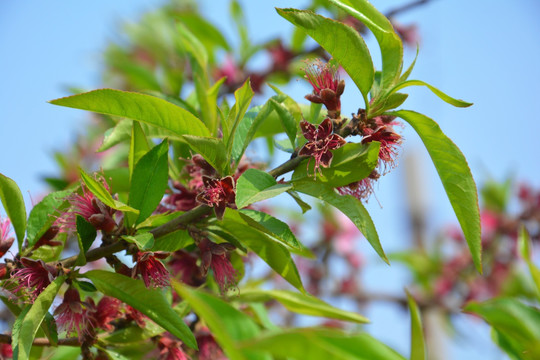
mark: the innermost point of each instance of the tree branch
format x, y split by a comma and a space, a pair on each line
6, 339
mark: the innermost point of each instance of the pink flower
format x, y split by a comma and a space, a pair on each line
390, 142
74, 315
281, 57
33, 277
170, 349
91, 209
5, 240
208, 347
214, 256
151, 269
408, 33
217, 193
135, 315
6, 352
320, 141
327, 87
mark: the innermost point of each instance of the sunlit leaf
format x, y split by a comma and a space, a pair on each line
256, 185
455, 176
13, 203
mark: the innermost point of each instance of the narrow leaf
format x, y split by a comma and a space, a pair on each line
139, 145
525, 245
145, 108
287, 120
439, 93
228, 325
321, 344
13, 202
348, 205
150, 302
34, 318
149, 180
243, 98
455, 176
300, 303
343, 42
86, 234
256, 185
103, 194
418, 346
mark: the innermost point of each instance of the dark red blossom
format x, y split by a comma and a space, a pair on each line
6, 352
91, 209
408, 33
48, 238
75, 315
208, 347
281, 57
108, 310
5, 240
320, 140
151, 269
218, 193
214, 256
33, 277
170, 348
327, 87
184, 267
390, 142
135, 315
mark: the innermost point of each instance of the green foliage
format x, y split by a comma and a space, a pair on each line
301, 304
455, 176
42, 215
152, 303
144, 108
86, 234
13, 202
256, 185
149, 181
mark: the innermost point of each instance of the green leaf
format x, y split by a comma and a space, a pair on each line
321, 344
517, 322
86, 234
149, 180
439, 93
22, 343
13, 202
303, 205
300, 303
525, 245
139, 145
277, 229
256, 185
209, 35
287, 120
117, 134
243, 98
349, 206
212, 150
227, 324
145, 108
150, 302
103, 194
342, 42
418, 346
389, 42
248, 127
455, 176
273, 253
144, 241
350, 163
41, 217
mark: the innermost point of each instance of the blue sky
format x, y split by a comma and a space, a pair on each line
481, 51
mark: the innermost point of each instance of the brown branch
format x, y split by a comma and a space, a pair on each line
406, 7
6, 339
